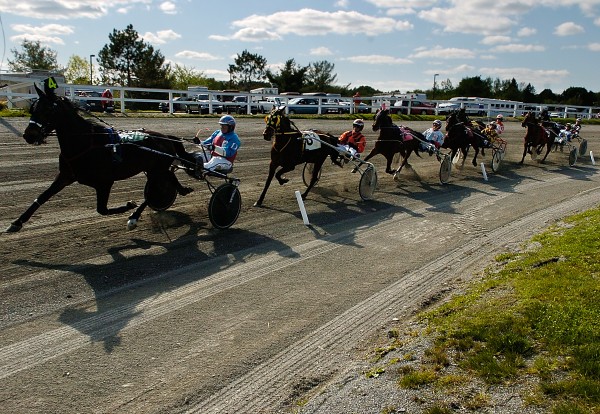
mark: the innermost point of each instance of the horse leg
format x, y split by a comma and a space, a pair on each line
272, 168
135, 216
102, 194
475, 157
313, 178
548, 148
525, 147
57, 185
181, 190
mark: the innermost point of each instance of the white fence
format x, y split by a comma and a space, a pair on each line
20, 92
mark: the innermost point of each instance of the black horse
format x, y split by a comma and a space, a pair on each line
536, 137
92, 154
459, 136
393, 139
292, 147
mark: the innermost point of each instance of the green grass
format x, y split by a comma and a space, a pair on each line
538, 315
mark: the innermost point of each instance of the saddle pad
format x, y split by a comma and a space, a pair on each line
132, 136
311, 140
406, 134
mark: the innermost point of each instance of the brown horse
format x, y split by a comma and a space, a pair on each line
536, 137
92, 154
393, 139
292, 147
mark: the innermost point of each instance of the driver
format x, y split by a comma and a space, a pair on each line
434, 136
353, 141
222, 146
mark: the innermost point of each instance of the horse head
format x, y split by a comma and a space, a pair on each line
382, 119
276, 123
529, 119
43, 115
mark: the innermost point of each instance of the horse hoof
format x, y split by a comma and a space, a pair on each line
283, 181
131, 204
185, 191
131, 224
14, 227
257, 204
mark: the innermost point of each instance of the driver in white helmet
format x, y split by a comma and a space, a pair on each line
353, 142
220, 149
499, 124
434, 137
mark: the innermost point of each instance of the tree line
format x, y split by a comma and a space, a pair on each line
126, 60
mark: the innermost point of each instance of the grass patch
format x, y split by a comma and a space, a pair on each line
538, 315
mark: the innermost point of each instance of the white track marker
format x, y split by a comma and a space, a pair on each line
483, 171
302, 209
592, 158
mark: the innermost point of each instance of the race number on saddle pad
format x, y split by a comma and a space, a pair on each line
311, 140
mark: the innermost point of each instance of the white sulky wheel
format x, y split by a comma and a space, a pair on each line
496, 159
445, 169
307, 173
368, 183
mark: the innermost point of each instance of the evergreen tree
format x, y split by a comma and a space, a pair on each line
248, 70
291, 77
129, 61
320, 75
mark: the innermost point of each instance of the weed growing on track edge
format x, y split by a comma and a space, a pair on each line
534, 319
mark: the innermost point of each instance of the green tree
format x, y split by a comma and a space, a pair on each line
291, 77
547, 97
127, 60
182, 77
78, 70
474, 86
33, 56
577, 96
248, 70
320, 75
510, 90
528, 93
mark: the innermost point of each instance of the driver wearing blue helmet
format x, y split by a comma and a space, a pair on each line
221, 147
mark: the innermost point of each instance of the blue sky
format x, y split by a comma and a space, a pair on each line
388, 44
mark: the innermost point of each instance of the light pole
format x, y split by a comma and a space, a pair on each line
434, 76
92, 70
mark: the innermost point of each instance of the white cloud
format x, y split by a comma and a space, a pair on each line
64, 10
49, 33
190, 54
161, 37
310, 22
519, 48
250, 34
494, 40
594, 47
168, 7
568, 29
378, 59
526, 31
526, 75
321, 51
440, 52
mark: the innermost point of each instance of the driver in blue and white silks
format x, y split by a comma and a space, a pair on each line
433, 136
222, 146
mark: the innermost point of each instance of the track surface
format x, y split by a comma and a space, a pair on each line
178, 317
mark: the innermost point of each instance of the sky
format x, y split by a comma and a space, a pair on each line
390, 45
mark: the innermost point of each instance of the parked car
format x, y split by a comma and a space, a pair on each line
201, 104
164, 106
239, 105
88, 104
416, 107
303, 106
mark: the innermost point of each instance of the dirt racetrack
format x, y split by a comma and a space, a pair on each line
176, 316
